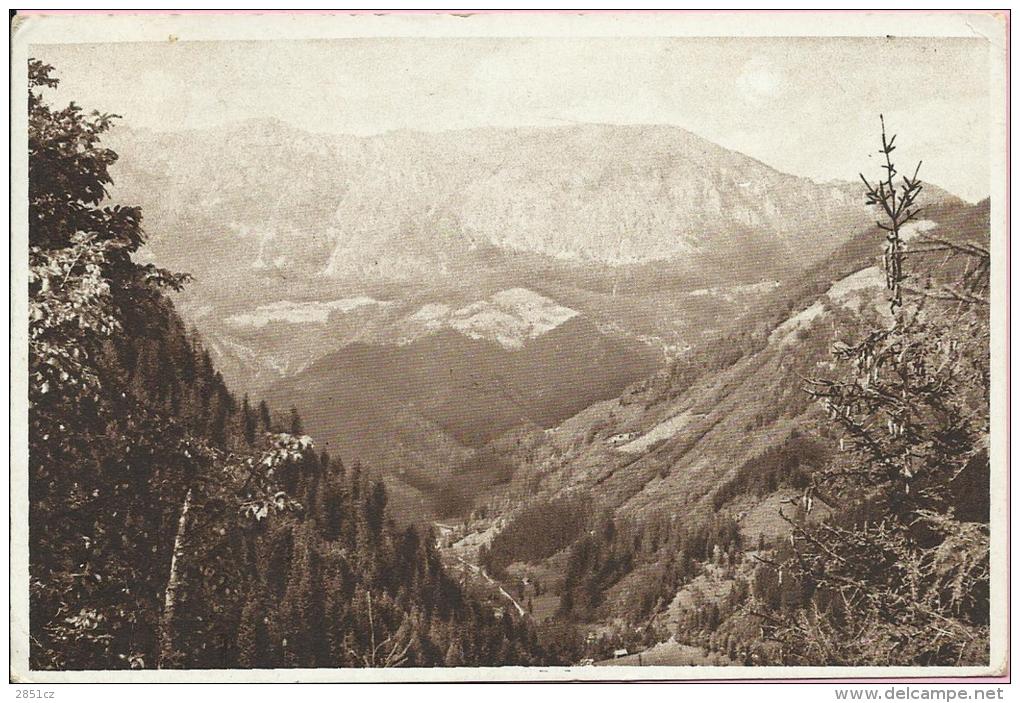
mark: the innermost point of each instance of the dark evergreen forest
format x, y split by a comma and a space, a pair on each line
172, 525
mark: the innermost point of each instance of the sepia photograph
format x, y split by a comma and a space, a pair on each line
508, 346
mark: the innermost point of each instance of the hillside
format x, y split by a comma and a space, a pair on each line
415, 411
170, 525
717, 444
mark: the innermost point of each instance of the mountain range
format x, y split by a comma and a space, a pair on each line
262, 196
616, 222
417, 294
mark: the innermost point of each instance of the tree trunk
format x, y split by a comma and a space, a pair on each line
166, 634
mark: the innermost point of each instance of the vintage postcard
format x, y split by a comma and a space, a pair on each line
508, 346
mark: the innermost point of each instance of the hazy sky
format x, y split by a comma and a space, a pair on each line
805, 106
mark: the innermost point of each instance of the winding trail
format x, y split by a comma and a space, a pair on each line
479, 570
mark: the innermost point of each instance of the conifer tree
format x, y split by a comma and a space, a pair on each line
265, 419
248, 421
296, 426
900, 574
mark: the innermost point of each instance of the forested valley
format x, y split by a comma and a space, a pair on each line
173, 525
809, 486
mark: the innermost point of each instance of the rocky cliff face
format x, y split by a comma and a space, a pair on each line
265, 198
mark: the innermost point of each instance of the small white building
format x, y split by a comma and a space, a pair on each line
617, 439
